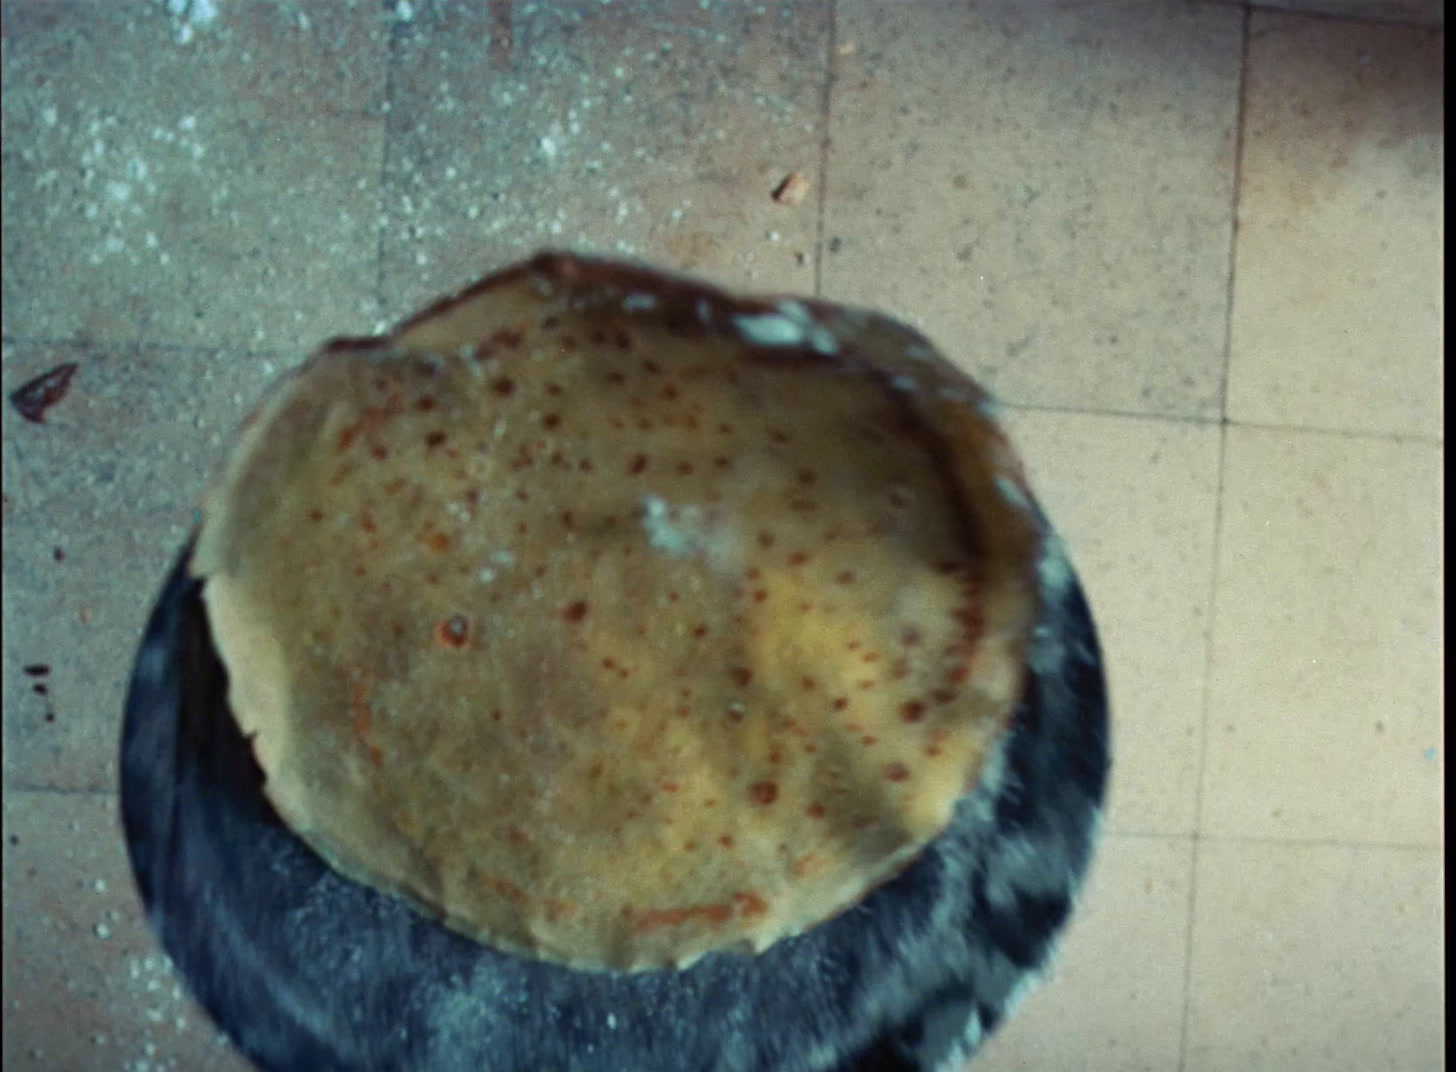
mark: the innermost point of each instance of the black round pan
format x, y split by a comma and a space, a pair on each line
308, 971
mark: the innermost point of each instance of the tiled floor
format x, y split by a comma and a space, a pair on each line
1196, 250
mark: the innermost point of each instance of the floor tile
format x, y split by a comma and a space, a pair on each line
1114, 1000
141, 426
79, 587
1047, 189
658, 130
86, 987
1338, 297
18, 489
1135, 500
1326, 695
1317, 958
218, 191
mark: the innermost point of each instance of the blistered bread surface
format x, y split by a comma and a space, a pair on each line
613, 640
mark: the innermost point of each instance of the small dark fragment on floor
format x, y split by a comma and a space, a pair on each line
792, 190
37, 670
36, 397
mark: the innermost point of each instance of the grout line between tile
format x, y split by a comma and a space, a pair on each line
142, 344
1233, 247
823, 185
20, 492
1329, 16
382, 219
1282, 842
1183, 418
1343, 433
1316, 843
1074, 411
1238, 171
60, 791
1203, 739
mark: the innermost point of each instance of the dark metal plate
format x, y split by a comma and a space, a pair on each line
308, 971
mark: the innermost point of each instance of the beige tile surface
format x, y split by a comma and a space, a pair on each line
222, 190
86, 986
1317, 958
1046, 189
81, 617
1135, 500
1114, 998
1325, 712
141, 427
655, 130
1338, 292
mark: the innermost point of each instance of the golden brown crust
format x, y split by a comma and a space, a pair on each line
615, 620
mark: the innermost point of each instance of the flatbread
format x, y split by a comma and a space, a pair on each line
614, 620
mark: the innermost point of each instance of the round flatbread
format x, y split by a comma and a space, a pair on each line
615, 620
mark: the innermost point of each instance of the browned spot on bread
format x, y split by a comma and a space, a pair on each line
454, 631
749, 905
364, 722
675, 917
